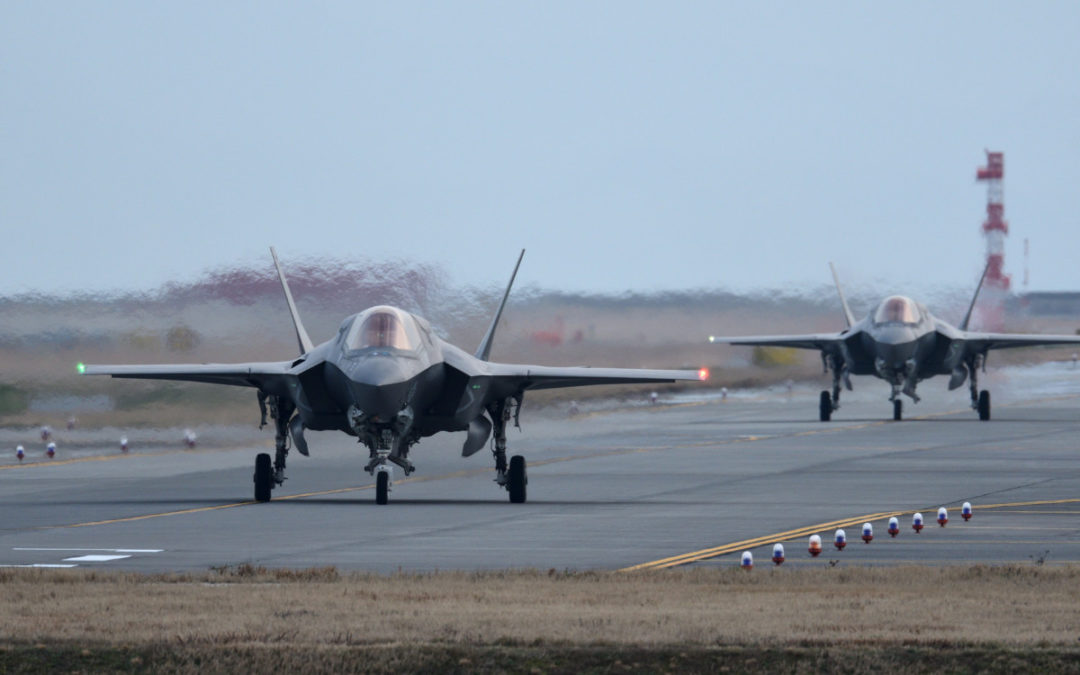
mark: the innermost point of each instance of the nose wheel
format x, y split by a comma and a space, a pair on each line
382, 487
897, 410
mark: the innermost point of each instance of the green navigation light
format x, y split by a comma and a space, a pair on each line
81, 367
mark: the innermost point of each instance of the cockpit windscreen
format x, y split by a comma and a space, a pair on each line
897, 309
382, 327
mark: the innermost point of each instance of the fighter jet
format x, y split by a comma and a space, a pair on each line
389, 380
902, 343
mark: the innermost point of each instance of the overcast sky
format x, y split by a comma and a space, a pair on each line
628, 146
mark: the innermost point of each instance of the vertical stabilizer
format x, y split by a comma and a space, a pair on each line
484, 350
971, 307
301, 334
848, 317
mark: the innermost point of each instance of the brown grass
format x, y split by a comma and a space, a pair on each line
1015, 606
251, 619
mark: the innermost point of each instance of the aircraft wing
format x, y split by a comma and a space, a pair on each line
981, 342
553, 377
816, 341
237, 374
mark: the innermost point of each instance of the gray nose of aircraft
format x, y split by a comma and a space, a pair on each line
895, 345
379, 387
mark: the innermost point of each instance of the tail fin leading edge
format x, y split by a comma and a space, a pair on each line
301, 334
848, 317
484, 350
971, 307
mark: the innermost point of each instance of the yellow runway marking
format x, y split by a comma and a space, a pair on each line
716, 551
678, 560
322, 493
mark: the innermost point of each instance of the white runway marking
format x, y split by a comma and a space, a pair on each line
111, 550
90, 555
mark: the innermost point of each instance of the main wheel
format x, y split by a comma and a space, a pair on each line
517, 479
382, 487
984, 405
264, 477
825, 406
897, 410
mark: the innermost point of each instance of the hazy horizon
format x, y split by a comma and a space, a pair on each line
628, 146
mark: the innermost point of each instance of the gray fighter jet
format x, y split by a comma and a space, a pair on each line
902, 343
387, 379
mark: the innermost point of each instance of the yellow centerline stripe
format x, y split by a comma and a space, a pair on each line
474, 472
419, 479
716, 551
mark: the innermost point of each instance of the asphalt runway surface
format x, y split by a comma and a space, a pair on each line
692, 481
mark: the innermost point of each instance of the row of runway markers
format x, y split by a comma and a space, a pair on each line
840, 537
50, 449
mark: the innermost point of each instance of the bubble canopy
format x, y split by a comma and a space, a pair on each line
897, 309
383, 327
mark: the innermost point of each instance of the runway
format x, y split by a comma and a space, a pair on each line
693, 481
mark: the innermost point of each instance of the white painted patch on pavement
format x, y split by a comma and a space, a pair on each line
95, 558
111, 550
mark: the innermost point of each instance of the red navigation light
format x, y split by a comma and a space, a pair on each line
703, 374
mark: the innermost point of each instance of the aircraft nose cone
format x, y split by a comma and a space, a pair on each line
377, 371
379, 386
383, 402
896, 345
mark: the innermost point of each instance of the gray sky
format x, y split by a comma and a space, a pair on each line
638, 146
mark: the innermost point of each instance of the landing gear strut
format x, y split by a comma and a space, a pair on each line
980, 400
387, 443
514, 478
267, 475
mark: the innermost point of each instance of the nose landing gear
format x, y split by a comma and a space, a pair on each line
382, 485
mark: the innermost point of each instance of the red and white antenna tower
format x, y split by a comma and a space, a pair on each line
996, 285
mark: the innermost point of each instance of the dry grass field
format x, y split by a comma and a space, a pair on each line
956, 619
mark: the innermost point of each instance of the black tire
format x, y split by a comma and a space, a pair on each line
825, 407
984, 405
264, 477
897, 410
516, 479
382, 487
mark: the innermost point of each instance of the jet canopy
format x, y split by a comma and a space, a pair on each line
897, 309
383, 327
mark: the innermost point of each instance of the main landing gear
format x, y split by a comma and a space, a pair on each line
897, 410
825, 407
829, 403
980, 400
983, 405
268, 476
513, 477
